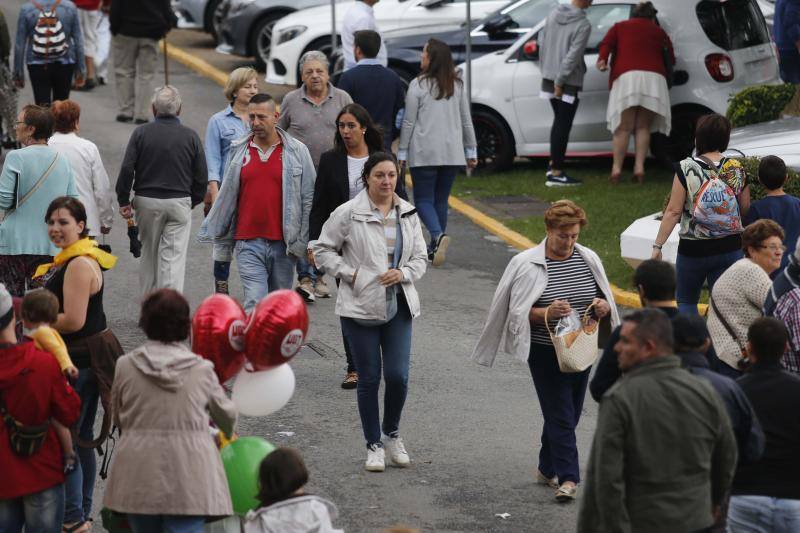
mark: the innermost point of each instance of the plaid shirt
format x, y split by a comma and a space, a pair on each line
788, 311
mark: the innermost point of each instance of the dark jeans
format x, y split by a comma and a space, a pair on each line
561, 398
50, 82
563, 115
390, 343
41, 512
431, 191
693, 272
789, 65
222, 270
351, 367
79, 484
156, 523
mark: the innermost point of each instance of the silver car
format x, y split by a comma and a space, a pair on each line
778, 137
198, 14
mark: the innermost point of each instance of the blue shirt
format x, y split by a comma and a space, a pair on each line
26, 23
223, 127
785, 210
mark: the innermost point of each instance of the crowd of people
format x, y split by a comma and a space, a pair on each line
312, 188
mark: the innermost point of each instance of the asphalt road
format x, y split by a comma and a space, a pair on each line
472, 432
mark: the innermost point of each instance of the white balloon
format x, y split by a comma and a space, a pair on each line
262, 393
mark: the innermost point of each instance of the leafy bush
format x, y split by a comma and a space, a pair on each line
761, 103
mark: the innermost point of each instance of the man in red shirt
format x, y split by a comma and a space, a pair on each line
32, 392
264, 203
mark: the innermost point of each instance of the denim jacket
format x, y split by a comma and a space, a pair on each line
23, 47
223, 128
299, 175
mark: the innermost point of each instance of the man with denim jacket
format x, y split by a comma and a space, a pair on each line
264, 204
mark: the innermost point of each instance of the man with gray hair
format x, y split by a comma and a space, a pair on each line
165, 166
309, 115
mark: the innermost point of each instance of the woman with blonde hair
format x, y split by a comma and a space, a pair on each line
224, 127
553, 279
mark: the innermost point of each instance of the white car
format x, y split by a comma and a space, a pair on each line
310, 29
721, 47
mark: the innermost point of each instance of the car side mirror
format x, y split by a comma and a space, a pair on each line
497, 24
530, 50
433, 3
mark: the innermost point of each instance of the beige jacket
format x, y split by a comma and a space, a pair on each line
355, 231
166, 461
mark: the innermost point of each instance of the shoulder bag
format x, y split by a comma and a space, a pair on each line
24, 440
18, 202
575, 351
728, 328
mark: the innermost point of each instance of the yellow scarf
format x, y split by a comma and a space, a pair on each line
85, 246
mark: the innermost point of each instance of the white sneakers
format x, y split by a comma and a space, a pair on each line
376, 456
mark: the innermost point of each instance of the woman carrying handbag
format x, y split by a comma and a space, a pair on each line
552, 280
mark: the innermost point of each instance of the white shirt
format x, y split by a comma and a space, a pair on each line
355, 166
358, 17
91, 179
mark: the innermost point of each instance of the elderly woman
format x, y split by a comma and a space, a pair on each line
309, 115
30, 179
555, 278
711, 224
91, 179
224, 127
437, 138
639, 99
167, 474
739, 294
377, 299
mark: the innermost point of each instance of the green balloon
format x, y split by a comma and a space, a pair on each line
241, 459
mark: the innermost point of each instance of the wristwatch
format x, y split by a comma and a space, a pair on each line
659, 246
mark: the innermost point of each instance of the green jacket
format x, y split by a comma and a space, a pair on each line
663, 453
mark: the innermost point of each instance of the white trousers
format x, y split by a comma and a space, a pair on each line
165, 226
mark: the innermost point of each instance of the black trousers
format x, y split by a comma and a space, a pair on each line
563, 115
51, 81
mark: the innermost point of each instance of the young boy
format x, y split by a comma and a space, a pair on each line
777, 205
39, 312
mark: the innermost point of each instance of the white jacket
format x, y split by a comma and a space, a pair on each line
522, 284
303, 514
356, 232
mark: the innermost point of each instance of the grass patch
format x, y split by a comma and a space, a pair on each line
610, 209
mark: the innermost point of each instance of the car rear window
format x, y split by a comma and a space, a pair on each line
733, 24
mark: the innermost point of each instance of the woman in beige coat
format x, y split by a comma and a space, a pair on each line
167, 474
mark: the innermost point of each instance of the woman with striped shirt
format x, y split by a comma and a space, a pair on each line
555, 277
374, 245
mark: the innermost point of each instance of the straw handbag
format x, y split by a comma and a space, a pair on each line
576, 351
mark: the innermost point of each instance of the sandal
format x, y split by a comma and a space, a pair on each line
77, 527
350, 381
551, 482
613, 178
566, 493
638, 178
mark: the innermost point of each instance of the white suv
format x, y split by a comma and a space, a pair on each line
721, 47
310, 29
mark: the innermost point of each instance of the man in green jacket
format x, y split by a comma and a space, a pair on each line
664, 454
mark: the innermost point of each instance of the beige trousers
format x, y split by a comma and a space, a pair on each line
135, 60
165, 226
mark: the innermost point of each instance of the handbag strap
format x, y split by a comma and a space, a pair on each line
36, 185
398, 240
583, 321
725, 324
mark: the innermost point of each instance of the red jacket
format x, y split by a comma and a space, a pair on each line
636, 44
33, 390
89, 5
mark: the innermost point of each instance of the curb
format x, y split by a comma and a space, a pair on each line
493, 226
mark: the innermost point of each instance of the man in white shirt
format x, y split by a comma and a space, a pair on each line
360, 16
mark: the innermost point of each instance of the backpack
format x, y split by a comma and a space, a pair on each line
715, 209
49, 39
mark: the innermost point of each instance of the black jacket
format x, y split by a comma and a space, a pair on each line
142, 18
774, 394
332, 189
746, 428
164, 159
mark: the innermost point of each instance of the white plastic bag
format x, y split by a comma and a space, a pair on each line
568, 324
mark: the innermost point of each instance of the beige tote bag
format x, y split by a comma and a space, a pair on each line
576, 351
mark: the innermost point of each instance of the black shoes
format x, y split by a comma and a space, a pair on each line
140, 121
124, 118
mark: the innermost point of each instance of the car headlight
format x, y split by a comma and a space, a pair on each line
237, 6
290, 33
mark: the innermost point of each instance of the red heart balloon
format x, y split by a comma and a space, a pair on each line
276, 329
218, 334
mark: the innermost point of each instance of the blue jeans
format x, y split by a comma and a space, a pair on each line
305, 270
431, 191
789, 65
561, 397
763, 514
79, 484
263, 267
693, 272
41, 512
368, 343
159, 523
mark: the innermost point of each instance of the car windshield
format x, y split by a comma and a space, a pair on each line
529, 14
602, 17
734, 24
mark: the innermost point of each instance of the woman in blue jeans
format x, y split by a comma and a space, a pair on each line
436, 139
710, 218
379, 237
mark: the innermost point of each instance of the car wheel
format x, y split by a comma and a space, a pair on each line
212, 18
261, 38
680, 142
495, 142
323, 44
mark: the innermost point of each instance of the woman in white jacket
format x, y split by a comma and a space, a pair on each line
555, 277
374, 245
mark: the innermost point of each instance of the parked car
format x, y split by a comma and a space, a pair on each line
497, 31
246, 26
311, 30
721, 48
198, 14
778, 137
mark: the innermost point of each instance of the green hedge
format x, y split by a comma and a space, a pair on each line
761, 103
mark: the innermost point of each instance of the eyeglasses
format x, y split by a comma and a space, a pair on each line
347, 125
774, 248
